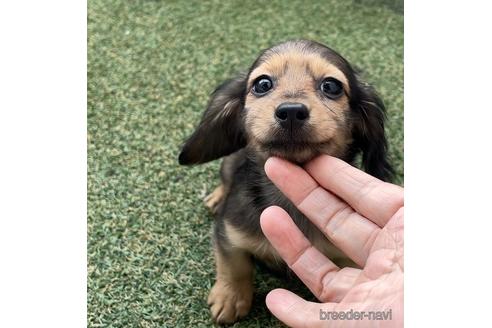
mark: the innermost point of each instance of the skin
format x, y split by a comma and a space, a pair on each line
361, 215
242, 124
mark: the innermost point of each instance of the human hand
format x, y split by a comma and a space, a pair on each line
359, 214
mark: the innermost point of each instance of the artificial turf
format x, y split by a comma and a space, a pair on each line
151, 67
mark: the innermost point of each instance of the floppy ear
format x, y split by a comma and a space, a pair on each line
369, 135
221, 130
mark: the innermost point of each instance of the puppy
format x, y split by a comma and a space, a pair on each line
299, 99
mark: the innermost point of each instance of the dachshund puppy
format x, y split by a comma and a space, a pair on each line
299, 99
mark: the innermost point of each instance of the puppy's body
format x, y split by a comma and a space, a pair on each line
247, 192
298, 100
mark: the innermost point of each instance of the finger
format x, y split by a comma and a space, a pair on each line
346, 229
293, 310
319, 274
371, 197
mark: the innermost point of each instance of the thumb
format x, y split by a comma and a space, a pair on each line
293, 310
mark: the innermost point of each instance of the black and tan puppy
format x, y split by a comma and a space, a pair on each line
299, 99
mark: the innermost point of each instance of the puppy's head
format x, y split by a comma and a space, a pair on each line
298, 100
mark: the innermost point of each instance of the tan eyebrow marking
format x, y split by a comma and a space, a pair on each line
276, 65
294, 94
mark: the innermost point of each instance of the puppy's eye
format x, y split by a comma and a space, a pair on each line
262, 85
331, 87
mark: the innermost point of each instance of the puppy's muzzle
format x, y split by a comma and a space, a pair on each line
291, 115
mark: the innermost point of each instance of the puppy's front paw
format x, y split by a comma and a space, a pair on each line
212, 201
230, 301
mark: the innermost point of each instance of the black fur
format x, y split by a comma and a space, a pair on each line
221, 132
369, 137
247, 190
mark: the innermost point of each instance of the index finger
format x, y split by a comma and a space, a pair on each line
351, 232
376, 200
323, 277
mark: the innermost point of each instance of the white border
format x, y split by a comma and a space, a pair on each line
43, 163
447, 163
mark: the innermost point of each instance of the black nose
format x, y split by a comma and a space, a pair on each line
291, 115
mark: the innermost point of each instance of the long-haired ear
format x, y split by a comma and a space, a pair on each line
221, 130
369, 135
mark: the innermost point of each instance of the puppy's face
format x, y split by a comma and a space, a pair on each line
299, 99
297, 105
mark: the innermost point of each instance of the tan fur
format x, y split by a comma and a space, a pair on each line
243, 127
261, 248
232, 294
214, 198
296, 76
276, 65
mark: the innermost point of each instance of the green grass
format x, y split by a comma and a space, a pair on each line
151, 66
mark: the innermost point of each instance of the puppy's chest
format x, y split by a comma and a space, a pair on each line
250, 195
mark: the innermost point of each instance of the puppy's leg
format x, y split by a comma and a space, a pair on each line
213, 200
228, 170
232, 294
